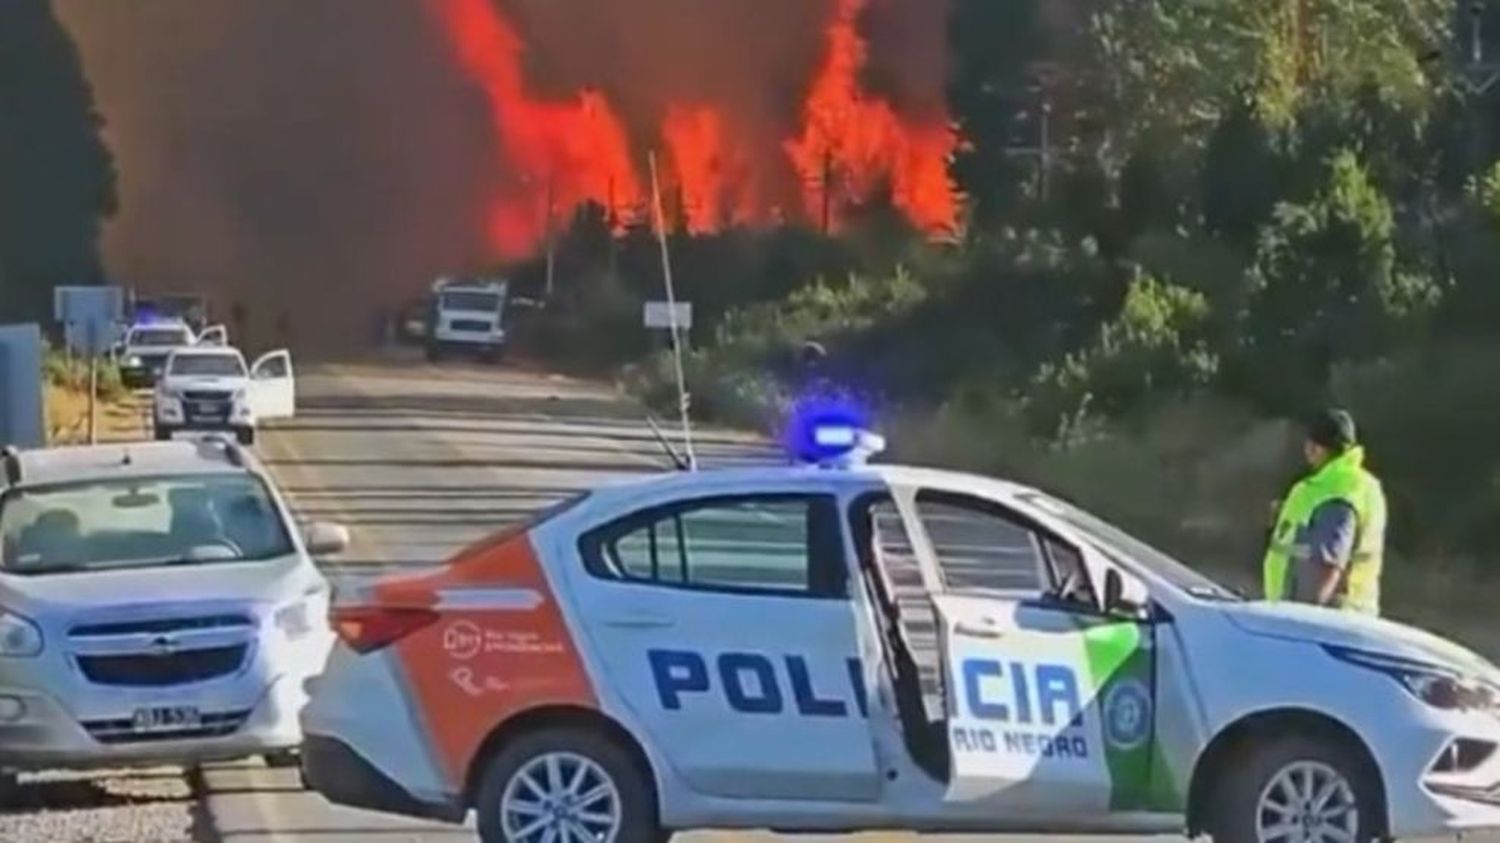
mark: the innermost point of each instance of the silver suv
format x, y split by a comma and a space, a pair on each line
156, 606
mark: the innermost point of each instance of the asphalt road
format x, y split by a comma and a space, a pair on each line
417, 461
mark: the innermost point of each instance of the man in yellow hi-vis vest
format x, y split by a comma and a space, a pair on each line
1328, 542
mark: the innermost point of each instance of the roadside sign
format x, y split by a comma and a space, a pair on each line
90, 316
21, 409
658, 314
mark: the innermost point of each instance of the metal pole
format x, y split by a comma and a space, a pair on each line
666, 268
93, 382
551, 240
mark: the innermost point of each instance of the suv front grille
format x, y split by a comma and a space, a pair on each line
123, 731
149, 670
206, 395
470, 325
161, 626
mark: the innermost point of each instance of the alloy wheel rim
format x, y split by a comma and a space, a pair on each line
1307, 802
560, 797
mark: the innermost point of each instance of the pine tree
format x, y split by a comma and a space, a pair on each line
57, 179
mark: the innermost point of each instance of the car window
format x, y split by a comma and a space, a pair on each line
188, 519
978, 547
158, 337
273, 367
785, 544
486, 302
210, 365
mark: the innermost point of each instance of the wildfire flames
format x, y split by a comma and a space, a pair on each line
851, 145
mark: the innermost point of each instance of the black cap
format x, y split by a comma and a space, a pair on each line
1331, 428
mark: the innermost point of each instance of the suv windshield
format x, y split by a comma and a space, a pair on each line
158, 337
214, 365
97, 525
487, 302
1114, 542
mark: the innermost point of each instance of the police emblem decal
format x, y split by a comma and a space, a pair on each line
1127, 715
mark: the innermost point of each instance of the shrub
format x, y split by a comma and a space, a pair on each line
1152, 350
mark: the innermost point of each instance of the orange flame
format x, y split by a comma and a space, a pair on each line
860, 145
565, 153
712, 174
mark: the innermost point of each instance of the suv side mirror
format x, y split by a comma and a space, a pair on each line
1117, 601
324, 538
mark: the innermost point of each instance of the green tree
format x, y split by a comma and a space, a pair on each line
1154, 348
992, 45
1240, 178
56, 176
1326, 287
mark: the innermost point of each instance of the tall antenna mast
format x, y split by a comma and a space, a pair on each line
666, 271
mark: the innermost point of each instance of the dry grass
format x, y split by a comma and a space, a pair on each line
121, 419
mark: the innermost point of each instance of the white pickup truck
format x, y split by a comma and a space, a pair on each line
209, 388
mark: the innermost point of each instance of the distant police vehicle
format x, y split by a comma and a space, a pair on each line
157, 604
143, 350
210, 389
840, 646
468, 317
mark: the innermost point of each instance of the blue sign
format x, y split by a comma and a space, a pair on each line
756, 683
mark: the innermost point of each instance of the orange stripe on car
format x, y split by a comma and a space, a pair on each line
500, 648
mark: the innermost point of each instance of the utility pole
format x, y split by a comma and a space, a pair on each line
551, 238
827, 190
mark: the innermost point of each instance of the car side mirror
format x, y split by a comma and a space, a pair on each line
1120, 600
324, 538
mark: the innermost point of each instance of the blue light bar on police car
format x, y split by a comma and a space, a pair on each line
831, 431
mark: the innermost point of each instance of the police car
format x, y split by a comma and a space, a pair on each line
842, 646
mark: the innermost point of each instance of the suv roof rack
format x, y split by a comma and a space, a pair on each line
11, 456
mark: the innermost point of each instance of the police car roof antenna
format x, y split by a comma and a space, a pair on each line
666, 271
677, 459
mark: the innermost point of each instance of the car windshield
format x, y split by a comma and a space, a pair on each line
212, 365
486, 302
140, 522
1114, 542
158, 337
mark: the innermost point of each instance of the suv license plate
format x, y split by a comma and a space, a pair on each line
166, 719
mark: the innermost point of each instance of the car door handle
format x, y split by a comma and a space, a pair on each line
640, 620
972, 631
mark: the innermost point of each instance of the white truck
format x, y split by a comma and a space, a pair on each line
468, 316
211, 389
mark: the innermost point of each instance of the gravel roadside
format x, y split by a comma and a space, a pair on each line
158, 805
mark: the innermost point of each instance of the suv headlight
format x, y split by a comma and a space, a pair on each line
293, 620
1440, 687
19, 637
131, 361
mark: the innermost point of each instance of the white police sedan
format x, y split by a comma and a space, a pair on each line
842, 646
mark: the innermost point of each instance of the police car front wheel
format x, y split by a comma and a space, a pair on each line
565, 786
1296, 790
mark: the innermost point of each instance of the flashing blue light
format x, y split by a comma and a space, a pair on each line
830, 430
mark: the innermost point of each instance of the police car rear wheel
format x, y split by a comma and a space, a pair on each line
565, 786
1295, 790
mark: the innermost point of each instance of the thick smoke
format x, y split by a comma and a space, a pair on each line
325, 157
320, 158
